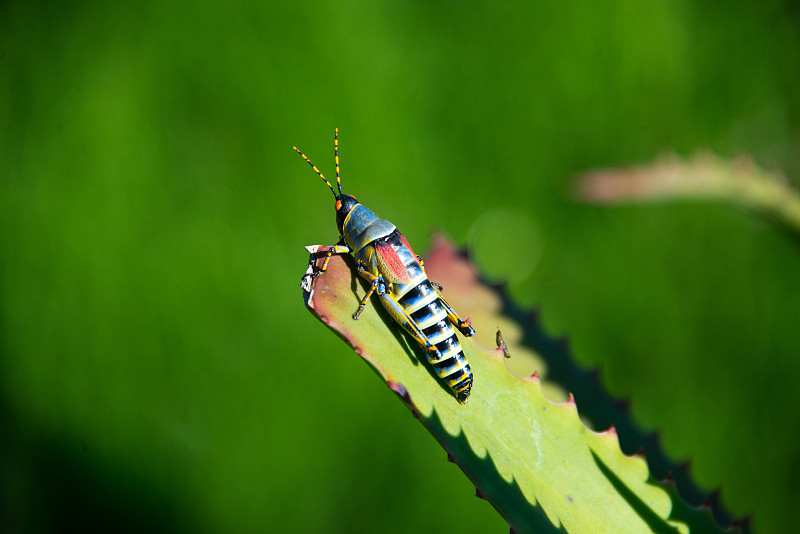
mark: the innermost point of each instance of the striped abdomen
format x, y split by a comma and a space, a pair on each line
421, 302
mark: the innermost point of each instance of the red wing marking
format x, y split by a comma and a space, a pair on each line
391, 265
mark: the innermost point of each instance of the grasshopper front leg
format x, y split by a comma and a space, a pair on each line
333, 249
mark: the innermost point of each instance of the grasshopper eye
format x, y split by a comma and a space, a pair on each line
338, 205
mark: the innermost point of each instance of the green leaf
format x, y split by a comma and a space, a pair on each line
531, 458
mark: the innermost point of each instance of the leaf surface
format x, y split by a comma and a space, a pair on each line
531, 458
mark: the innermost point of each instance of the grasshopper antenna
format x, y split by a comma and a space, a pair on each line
316, 170
336, 158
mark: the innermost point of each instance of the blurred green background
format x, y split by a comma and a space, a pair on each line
158, 369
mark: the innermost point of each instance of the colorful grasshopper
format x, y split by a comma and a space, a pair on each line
385, 260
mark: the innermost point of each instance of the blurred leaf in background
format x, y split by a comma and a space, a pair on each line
158, 369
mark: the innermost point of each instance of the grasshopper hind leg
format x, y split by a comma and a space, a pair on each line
454, 318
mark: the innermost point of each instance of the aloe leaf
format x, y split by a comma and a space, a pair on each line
531, 458
705, 176
551, 358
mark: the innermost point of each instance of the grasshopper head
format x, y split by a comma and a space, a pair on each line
344, 205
